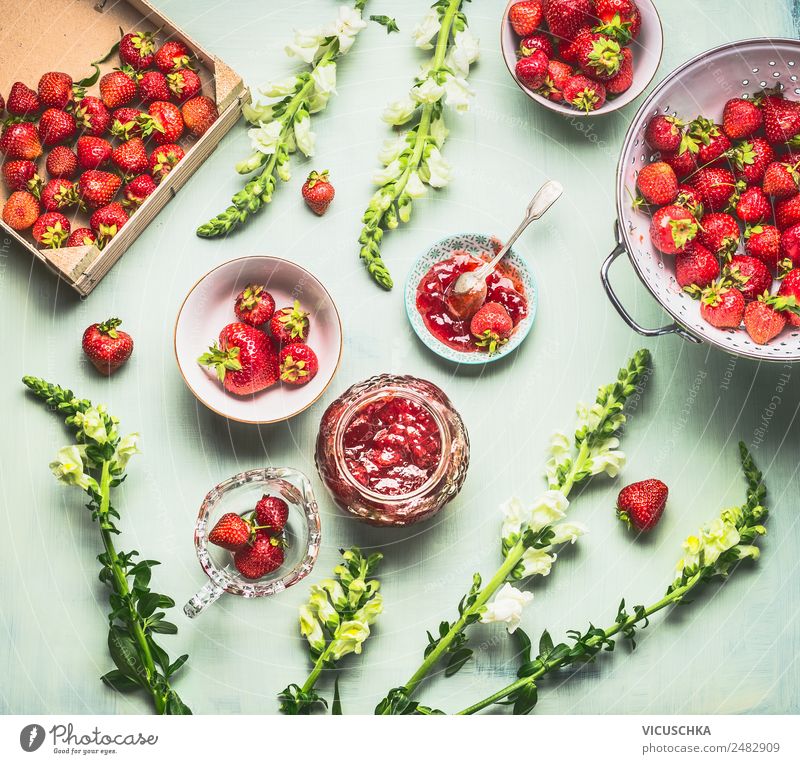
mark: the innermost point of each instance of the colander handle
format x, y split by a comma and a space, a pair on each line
626, 317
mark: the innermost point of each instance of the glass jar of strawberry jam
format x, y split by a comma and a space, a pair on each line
392, 450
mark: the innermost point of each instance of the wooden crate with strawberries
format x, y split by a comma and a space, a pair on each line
98, 163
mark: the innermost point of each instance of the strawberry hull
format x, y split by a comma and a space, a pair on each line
83, 267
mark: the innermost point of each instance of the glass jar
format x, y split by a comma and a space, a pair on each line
392, 450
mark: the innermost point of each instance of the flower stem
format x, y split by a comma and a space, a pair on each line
317, 669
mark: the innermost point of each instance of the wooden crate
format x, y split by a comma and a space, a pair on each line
71, 34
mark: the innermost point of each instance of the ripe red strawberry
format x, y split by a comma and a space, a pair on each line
715, 186
584, 93
168, 116
664, 132
56, 126
749, 275
695, 267
231, 532
117, 88
688, 198
762, 321
107, 221
262, 557
92, 152
781, 180
683, 162
640, 505
97, 188
199, 113
20, 140
106, 346
22, 101
130, 157
58, 194
137, 49
92, 116
623, 79
722, 305
706, 139
153, 87
61, 162
764, 242
672, 228
597, 55
657, 183
567, 17
539, 41
318, 192
787, 212
244, 359
620, 18
172, 55
21, 210
751, 158
741, 118
254, 305
781, 118
184, 84
298, 364
51, 229
753, 205
130, 122
163, 159
136, 191
55, 89
526, 16
289, 325
558, 73
272, 513
790, 287
720, 233
20, 175
532, 70
81, 237
567, 49
790, 248
491, 326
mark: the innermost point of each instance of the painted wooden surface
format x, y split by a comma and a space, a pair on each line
734, 650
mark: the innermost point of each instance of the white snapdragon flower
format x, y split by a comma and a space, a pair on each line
92, 424
392, 148
264, 138
515, 515
311, 629
350, 636
391, 171
304, 137
748, 550
250, 164
306, 44
537, 562
608, 459
560, 446
348, 24
68, 467
321, 607
568, 532
399, 112
439, 131
415, 188
279, 88
438, 169
426, 30
465, 51
126, 448
547, 509
428, 91
718, 537
369, 612
458, 93
256, 113
324, 78
507, 607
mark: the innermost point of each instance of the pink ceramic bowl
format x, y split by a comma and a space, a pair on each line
646, 50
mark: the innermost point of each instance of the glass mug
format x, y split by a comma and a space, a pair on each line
414, 452
239, 494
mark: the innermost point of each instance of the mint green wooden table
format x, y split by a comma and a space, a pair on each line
735, 650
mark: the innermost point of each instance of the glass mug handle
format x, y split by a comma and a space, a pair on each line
209, 594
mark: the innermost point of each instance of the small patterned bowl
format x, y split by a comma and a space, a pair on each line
474, 243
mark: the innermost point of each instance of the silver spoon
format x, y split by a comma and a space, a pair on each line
468, 292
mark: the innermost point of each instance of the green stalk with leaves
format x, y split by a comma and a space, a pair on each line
283, 126
529, 535
335, 622
711, 554
414, 160
96, 463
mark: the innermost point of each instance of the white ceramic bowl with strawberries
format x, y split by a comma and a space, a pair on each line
646, 50
209, 307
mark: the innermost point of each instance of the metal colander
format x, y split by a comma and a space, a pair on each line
700, 86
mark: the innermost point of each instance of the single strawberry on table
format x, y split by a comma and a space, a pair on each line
163, 159
93, 152
657, 183
254, 305
298, 364
199, 113
244, 359
20, 175
62, 162
491, 326
272, 513
640, 505
672, 228
531, 71
289, 325
51, 230
22, 101
264, 556
318, 192
722, 305
137, 49
106, 346
231, 532
21, 210
525, 16
107, 221
20, 140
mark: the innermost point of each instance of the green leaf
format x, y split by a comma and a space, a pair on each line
457, 661
175, 667
525, 699
164, 627
336, 708
148, 602
119, 682
386, 21
176, 707
125, 655
545, 645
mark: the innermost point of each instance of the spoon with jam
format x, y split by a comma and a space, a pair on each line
468, 292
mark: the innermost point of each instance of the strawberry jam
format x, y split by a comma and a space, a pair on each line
392, 446
503, 285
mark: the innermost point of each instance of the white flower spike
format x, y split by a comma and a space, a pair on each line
507, 607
